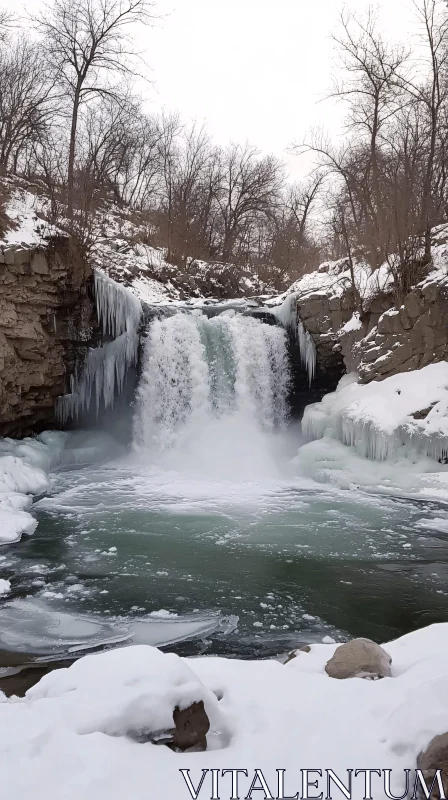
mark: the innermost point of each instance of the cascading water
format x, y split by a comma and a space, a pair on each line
210, 381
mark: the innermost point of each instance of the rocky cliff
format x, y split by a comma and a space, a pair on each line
376, 335
46, 321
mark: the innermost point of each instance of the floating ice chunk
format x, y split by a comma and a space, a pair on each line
166, 630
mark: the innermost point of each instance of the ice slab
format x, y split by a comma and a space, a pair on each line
41, 630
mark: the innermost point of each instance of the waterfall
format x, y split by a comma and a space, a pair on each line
197, 371
103, 373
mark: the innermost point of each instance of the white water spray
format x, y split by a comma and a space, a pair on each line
198, 372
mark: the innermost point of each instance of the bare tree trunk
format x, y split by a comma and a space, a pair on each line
72, 149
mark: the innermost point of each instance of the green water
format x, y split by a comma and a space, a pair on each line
293, 561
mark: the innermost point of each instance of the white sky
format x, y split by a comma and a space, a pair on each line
252, 69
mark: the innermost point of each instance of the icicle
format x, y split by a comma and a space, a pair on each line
286, 313
103, 374
118, 309
307, 351
102, 377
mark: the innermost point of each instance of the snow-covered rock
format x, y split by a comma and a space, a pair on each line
359, 658
379, 419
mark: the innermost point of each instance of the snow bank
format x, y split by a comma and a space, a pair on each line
24, 471
24, 467
380, 419
71, 729
333, 278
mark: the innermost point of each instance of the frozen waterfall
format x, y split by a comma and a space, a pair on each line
103, 373
197, 371
288, 316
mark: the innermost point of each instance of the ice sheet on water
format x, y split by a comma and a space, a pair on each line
168, 630
40, 629
37, 628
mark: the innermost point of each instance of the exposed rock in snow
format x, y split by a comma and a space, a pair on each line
434, 758
360, 658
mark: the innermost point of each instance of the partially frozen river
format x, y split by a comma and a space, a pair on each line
281, 560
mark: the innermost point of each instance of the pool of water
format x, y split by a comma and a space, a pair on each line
282, 560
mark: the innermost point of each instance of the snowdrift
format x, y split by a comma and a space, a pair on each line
409, 410
74, 732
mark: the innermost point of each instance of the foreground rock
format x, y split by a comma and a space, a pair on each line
433, 758
191, 727
360, 658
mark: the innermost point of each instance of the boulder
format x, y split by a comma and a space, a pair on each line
433, 758
360, 658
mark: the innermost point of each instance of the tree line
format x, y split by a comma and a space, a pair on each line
70, 116
387, 179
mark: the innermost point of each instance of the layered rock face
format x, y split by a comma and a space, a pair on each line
46, 322
408, 337
387, 338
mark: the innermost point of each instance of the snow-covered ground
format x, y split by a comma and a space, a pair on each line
72, 735
333, 278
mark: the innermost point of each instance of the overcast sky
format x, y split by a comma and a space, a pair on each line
253, 69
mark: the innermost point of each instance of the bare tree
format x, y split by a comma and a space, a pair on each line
88, 43
250, 185
372, 69
432, 95
25, 99
7, 23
